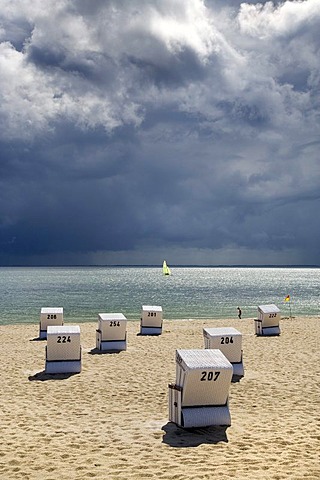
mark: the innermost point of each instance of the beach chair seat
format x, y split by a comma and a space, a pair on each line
199, 397
111, 334
49, 316
151, 320
268, 321
229, 341
63, 350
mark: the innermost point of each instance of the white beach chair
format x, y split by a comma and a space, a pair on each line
111, 335
49, 316
229, 341
268, 320
151, 320
63, 350
199, 398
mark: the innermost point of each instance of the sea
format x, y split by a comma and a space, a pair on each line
188, 293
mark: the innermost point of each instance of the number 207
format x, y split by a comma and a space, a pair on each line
209, 376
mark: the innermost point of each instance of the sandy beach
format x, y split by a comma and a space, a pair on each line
111, 420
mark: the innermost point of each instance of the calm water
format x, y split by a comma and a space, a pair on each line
193, 292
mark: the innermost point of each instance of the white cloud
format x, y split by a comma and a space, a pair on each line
269, 20
26, 105
105, 68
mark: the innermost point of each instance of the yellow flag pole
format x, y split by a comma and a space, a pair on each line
288, 300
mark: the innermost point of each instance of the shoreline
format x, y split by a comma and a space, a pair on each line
111, 420
74, 321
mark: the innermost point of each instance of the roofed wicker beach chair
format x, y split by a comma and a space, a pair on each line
63, 350
229, 341
49, 316
111, 334
199, 398
268, 320
151, 320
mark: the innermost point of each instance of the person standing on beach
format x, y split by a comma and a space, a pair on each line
239, 312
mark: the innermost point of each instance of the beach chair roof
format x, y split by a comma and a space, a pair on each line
199, 359
269, 308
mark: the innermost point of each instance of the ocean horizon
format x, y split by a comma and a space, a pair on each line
155, 265
191, 292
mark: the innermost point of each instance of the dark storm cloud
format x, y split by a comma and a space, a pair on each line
183, 126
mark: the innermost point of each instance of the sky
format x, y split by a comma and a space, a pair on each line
134, 131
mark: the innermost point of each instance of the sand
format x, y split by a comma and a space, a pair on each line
111, 420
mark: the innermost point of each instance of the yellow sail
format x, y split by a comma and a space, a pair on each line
165, 268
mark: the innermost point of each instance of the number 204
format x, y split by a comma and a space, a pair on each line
209, 376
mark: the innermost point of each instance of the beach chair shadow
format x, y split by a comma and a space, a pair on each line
96, 351
178, 437
43, 376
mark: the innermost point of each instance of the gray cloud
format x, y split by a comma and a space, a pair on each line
131, 129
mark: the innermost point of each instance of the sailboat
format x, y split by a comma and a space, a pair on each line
165, 268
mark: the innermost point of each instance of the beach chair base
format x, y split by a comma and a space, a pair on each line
110, 345
150, 330
266, 331
43, 334
63, 366
238, 369
196, 416
270, 331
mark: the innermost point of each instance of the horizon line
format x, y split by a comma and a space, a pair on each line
191, 265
